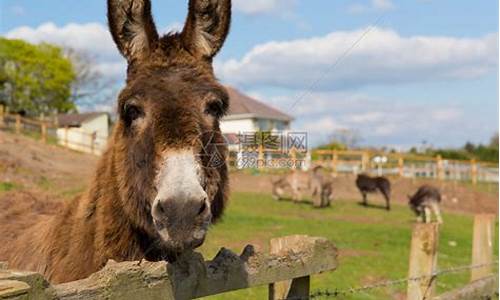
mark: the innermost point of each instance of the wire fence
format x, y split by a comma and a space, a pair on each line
428, 279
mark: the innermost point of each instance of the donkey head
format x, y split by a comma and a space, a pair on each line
168, 152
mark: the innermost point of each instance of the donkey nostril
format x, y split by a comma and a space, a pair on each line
160, 209
202, 208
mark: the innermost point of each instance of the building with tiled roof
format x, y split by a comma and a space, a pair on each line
247, 114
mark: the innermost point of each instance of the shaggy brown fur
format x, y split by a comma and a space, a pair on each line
426, 199
171, 99
322, 187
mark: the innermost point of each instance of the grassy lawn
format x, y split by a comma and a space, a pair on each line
374, 244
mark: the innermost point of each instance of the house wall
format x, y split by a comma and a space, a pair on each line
91, 137
271, 125
100, 125
237, 126
251, 125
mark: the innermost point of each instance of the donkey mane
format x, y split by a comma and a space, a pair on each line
170, 99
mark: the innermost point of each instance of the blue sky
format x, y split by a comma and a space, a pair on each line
421, 70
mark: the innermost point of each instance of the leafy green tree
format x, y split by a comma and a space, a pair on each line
35, 78
470, 150
494, 141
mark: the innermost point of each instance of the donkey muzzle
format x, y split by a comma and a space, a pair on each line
181, 210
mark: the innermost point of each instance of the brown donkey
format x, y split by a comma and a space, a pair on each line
163, 178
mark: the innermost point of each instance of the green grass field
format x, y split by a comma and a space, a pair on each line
374, 244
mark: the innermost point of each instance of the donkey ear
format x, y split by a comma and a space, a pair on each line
207, 26
132, 27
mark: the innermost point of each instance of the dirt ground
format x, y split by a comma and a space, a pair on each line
52, 172
48, 171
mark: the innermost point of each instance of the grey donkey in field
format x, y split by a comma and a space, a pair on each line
427, 199
322, 187
315, 181
367, 184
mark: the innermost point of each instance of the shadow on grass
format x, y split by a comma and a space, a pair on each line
308, 202
373, 206
287, 199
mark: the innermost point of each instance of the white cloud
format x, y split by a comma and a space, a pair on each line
378, 120
112, 69
446, 114
363, 117
371, 6
256, 7
91, 37
382, 4
323, 125
358, 8
382, 56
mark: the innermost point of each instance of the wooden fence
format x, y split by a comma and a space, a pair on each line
286, 270
354, 162
294, 258
407, 165
423, 262
48, 131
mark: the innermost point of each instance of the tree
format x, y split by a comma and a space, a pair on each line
89, 87
349, 138
494, 141
470, 147
35, 78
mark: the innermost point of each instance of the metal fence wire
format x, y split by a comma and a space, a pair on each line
333, 293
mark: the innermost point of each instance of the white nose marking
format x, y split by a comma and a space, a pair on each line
179, 177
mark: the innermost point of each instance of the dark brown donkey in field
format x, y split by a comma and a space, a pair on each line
367, 184
163, 178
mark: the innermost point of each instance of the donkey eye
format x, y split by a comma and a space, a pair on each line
215, 108
131, 113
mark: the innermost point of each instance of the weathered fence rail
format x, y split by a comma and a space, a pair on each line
408, 165
286, 270
190, 277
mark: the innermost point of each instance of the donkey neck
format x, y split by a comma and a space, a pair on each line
101, 215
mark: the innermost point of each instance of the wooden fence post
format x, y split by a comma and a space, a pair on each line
365, 157
92, 143
261, 159
423, 260
413, 173
18, 124
401, 166
440, 167
473, 171
297, 288
44, 132
482, 245
66, 132
335, 158
293, 157
2, 114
